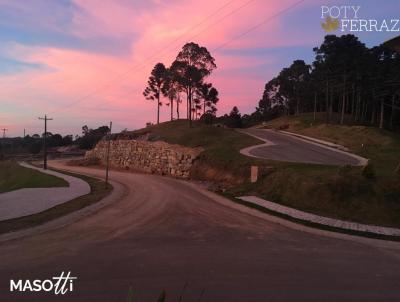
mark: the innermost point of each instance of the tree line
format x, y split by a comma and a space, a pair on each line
33, 144
347, 81
185, 80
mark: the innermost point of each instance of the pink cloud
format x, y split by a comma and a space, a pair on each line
113, 84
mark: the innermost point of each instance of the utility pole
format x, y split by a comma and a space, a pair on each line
24, 133
315, 106
4, 132
45, 118
108, 154
1, 143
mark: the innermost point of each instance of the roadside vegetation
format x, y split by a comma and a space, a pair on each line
348, 95
366, 195
13, 177
186, 77
98, 191
348, 81
220, 161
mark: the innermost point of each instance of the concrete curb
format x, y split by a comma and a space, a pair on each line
28, 201
375, 242
338, 148
315, 140
247, 151
118, 192
297, 214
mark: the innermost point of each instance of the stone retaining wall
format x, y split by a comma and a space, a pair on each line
151, 157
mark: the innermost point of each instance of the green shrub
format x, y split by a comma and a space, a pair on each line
36, 147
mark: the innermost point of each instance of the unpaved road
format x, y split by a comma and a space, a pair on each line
287, 148
164, 233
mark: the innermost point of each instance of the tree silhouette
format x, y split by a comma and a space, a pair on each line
155, 85
347, 81
172, 90
234, 119
192, 65
209, 95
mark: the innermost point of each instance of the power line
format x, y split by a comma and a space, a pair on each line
270, 18
141, 65
261, 23
45, 118
157, 52
222, 18
4, 132
172, 42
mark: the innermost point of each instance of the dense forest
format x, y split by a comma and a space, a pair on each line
348, 81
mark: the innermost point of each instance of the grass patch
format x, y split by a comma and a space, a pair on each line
308, 223
98, 191
337, 192
221, 160
368, 196
13, 177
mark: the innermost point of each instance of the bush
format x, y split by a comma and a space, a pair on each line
207, 118
35, 147
369, 172
234, 119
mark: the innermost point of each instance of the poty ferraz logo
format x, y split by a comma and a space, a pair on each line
347, 18
58, 285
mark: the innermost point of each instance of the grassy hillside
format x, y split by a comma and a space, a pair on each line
339, 192
380, 146
13, 177
220, 161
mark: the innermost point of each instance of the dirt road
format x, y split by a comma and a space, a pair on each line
164, 233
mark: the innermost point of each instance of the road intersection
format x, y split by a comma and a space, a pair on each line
163, 232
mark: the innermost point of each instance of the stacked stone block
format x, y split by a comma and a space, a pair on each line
150, 157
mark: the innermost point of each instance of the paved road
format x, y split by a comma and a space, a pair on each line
287, 148
29, 201
164, 233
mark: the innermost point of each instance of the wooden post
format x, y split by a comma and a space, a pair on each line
315, 106
253, 174
381, 114
108, 155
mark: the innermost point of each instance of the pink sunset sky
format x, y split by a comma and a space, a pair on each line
86, 62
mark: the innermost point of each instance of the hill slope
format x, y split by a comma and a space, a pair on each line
339, 192
220, 161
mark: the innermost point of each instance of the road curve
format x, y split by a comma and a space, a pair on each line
283, 147
28, 201
165, 232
